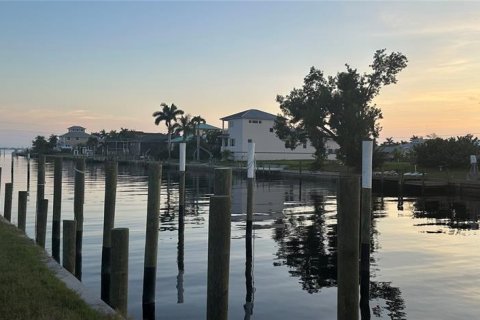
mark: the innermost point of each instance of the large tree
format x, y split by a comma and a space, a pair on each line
338, 107
169, 116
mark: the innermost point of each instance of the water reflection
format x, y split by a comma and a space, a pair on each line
452, 213
295, 229
307, 244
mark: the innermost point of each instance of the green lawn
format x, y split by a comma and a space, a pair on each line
28, 289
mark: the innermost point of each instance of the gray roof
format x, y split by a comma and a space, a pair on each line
251, 114
206, 127
76, 134
76, 127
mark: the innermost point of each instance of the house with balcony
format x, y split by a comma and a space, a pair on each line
75, 136
257, 126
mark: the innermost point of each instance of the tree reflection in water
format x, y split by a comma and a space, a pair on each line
449, 212
307, 245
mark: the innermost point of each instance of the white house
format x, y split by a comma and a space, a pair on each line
76, 135
257, 126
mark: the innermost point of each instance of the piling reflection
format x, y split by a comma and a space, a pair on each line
248, 306
181, 235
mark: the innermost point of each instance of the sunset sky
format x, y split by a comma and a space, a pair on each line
106, 65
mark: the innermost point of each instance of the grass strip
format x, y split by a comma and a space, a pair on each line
28, 289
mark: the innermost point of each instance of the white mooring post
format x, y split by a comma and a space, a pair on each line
365, 221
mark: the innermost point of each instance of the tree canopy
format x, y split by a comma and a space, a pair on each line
451, 152
169, 116
338, 107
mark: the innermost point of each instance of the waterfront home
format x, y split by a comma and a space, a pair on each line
257, 126
75, 136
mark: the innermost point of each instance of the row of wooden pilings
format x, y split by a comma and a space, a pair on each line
353, 214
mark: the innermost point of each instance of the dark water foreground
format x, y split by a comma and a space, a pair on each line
425, 261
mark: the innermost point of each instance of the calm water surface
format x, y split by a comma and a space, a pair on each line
425, 262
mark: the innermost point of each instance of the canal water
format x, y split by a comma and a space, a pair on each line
425, 261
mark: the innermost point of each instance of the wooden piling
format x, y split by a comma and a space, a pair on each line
181, 221
348, 216
22, 209
180, 256
40, 181
401, 181
250, 185
222, 181
111, 172
41, 226
119, 274
57, 208
12, 169
365, 217
218, 257
28, 172
69, 242
151, 241
7, 211
78, 201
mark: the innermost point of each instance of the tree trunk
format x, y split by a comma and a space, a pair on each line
198, 146
169, 144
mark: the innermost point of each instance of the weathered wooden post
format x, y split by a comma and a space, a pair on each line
22, 209
42, 223
218, 257
11, 169
401, 182
28, 171
151, 241
250, 184
69, 242
57, 208
7, 209
248, 307
223, 181
40, 181
111, 171
78, 201
348, 229
181, 184
365, 215
119, 280
181, 224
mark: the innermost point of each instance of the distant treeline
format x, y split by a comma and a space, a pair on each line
452, 152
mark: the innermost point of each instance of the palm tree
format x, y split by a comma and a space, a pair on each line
169, 116
196, 121
184, 126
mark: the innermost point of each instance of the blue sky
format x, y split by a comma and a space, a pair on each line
110, 64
